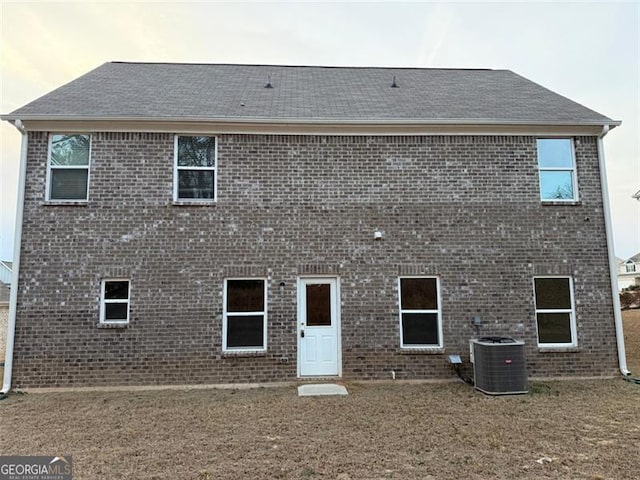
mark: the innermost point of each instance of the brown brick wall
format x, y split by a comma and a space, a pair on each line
464, 208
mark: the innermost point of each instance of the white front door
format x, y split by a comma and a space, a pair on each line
318, 327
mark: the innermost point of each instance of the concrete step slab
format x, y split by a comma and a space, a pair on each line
321, 389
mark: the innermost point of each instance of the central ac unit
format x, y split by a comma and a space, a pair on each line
499, 366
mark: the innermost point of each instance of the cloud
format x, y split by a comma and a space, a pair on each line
436, 31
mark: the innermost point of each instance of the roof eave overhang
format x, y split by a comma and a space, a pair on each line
64, 123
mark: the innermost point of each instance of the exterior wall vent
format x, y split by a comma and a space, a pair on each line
499, 365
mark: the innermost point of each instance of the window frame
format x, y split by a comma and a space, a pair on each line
225, 317
104, 301
177, 168
571, 312
630, 267
573, 170
438, 311
67, 167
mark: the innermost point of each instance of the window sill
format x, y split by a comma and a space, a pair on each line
557, 203
422, 351
65, 203
559, 349
245, 353
193, 203
110, 326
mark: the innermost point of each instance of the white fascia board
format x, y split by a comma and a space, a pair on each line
309, 121
385, 128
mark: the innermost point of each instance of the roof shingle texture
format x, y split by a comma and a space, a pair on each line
222, 91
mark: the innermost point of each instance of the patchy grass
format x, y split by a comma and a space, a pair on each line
631, 325
586, 429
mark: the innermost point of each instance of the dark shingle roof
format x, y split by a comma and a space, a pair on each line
635, 258
222, 91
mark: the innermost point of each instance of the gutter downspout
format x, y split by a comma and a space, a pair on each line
617, 313
13, 297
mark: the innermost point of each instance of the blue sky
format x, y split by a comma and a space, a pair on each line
589, 52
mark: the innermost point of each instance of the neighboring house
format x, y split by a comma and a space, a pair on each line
5, 289
5, 272
629, 272
189, 223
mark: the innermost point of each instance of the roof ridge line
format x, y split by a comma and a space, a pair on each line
302, 66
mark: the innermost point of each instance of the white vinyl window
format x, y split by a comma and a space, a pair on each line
555, 311
630, 267
244, 319
194, 176
114, 301
557, 169
68, 167
420, 313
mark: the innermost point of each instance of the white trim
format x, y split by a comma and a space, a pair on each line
437, 311
177, 168
17, 247
104, 301
335, 279
339, 127
225, 315
573, 170
617, 313
571, 312
67, 167
318, 120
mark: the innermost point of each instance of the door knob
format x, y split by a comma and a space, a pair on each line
302, 333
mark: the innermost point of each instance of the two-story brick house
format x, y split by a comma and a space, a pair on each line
186, 223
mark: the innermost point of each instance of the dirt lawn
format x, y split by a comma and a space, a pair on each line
631, 325
587, 429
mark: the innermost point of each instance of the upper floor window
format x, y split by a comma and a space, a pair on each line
557, 169
114, 301
195, 169
68, 167
420, 316
244, 322
630, 267
555, 314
